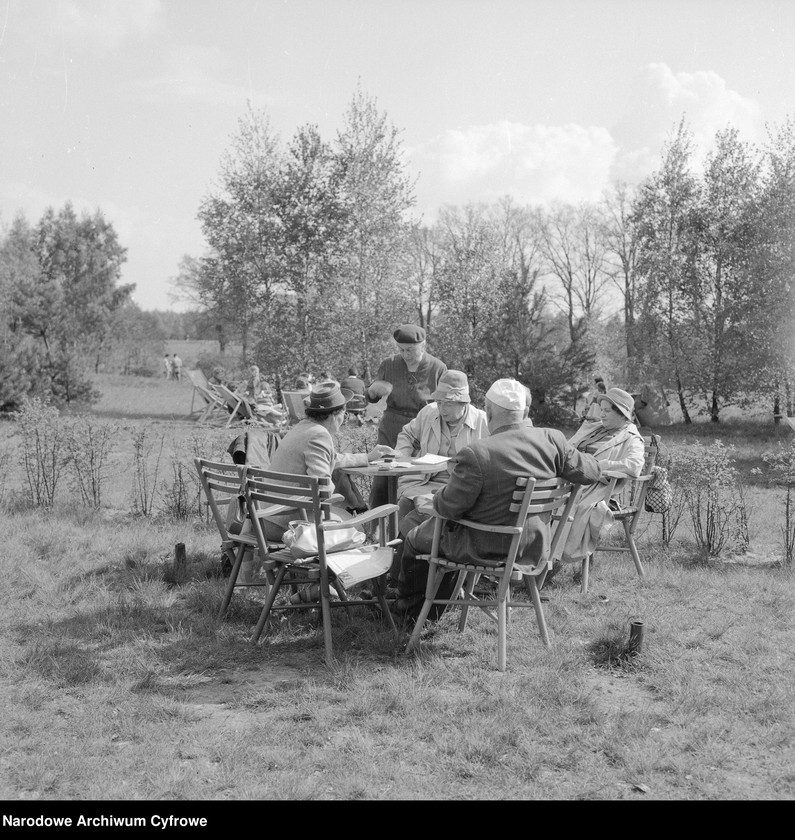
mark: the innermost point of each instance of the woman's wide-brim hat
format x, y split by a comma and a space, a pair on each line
328, 396
622, 400
453, 386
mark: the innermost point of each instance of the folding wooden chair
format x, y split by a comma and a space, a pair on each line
223, 485
294, 403
630, 500
210, 402
313, 495
552, 498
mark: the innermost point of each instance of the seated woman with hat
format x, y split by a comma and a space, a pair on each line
616, 443
444, 428
308, 449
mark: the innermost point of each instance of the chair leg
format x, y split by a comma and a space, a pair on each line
325, 610
266, 609
542, 622
633, 549
380, 589
230, 586
502, 631
586, 568
435, 575
469, 582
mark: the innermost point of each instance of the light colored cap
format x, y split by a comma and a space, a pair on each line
623, 401
508, 393
453, 386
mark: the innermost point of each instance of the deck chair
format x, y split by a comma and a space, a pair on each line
210, 402
294, 403
222, 484
313, 495
240, 409
550, 498
630, 503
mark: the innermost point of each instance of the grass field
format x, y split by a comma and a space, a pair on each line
118, 683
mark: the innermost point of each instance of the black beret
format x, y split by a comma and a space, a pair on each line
409, 334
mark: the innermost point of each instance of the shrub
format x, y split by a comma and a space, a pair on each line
710, 490
44, 448
782, 466
147, 454
88, 444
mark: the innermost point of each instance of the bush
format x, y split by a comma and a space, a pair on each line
782, 467
707, 485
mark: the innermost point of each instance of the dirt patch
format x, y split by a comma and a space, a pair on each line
616, 691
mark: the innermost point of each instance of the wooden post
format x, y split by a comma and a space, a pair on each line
180, 562
635, 638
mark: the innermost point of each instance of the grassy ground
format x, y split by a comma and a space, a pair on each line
118, 683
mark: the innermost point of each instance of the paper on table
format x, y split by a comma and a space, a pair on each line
360, 564
429, 460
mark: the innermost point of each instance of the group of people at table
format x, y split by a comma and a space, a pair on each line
429, 412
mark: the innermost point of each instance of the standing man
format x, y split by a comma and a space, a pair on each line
481, 488
176, 364
407, 380
166, 367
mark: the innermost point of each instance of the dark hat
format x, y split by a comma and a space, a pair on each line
409, 334
453, 386
327, 396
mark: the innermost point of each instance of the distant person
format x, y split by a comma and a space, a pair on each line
353, 383
592, 410
218, 376
167, 369
303, 382
176, 366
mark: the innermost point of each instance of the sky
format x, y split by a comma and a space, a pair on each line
127, 106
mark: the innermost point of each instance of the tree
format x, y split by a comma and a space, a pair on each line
573, 246
721, 289
663, 217
380, 193
621, 244
65, 296
239, 278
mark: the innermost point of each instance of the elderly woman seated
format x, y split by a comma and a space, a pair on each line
308, 449
618, 446
443, 428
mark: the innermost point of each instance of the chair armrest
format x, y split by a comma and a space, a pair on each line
376, 513
492, 529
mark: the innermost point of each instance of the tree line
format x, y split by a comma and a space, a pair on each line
314, 254
684, 281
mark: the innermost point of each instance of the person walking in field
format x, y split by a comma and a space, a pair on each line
166, 366
176, 364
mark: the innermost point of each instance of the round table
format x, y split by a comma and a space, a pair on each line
392, 472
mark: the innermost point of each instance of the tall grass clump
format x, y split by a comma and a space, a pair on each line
147, 457
44, 448
707, 486
781, 464
88, 444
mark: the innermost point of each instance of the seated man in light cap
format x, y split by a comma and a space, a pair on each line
481, 488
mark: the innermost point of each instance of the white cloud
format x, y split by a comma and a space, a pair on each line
657, 101
105, 22
191, 75
532, 163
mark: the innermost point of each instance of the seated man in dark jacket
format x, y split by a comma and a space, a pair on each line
481, 487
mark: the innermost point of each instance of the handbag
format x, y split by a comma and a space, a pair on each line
301, 539
660, 494
236, 514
